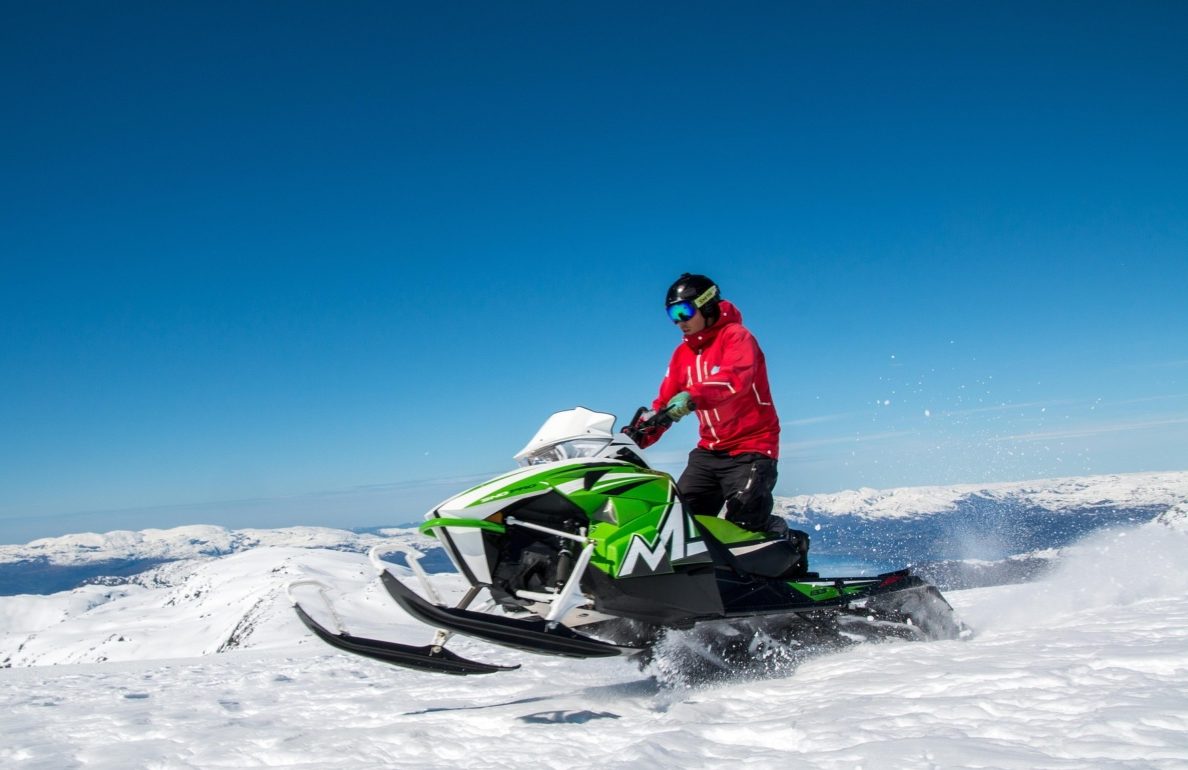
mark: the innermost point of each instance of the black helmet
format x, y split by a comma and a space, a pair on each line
698, 290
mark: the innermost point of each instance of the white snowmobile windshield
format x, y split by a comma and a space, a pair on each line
565, 450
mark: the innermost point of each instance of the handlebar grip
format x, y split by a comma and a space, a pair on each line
660, 419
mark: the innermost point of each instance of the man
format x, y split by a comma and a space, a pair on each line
719, 371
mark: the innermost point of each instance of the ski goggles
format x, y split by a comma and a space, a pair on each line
681, 311
686, 309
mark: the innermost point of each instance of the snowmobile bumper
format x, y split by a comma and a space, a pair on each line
537, 635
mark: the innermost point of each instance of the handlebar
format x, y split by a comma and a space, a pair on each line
637, 428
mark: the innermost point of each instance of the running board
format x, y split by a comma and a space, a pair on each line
537, 635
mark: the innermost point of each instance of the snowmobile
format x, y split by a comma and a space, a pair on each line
585, 551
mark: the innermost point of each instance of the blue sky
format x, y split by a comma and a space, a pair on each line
288, 263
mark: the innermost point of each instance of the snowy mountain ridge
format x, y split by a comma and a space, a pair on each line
1127, 490
187, 542
224, 589
1121, 491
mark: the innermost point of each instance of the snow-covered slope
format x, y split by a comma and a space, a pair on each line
184, 608
1175, 517
1087, 670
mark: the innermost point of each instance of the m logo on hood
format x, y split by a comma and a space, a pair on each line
677, 542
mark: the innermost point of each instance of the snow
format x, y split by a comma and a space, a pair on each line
1136, 490
182, 543
1086, 669
1175, 517
1129, 490
227, 603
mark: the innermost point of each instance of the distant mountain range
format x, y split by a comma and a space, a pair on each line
1139, 491
180, 543
202, 589
979, 527
60, 563
865, 528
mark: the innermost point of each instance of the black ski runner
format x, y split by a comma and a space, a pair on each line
528, 635
423, 658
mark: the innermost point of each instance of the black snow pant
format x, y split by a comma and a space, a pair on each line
742, 483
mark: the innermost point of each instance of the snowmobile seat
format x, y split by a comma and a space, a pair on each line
758, 553
769, 558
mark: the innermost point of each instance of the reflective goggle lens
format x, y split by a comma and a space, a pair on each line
681, 311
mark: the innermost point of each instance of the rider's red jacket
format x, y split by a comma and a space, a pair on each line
725, 373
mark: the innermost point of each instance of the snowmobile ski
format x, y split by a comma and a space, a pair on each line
528, 635
424, 658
